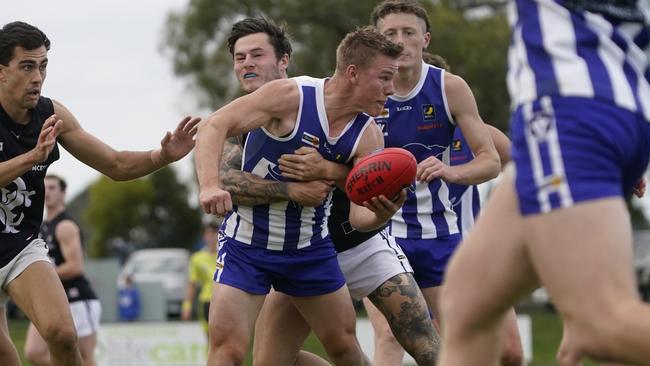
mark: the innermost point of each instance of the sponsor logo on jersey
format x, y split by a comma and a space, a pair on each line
267, 169
404, 108
552, 181
310, 139
11, 199
456, 145
429, 126
541, 124
385, 113
428, 112
338, 157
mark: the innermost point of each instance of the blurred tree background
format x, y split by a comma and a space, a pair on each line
149, 212
471, 35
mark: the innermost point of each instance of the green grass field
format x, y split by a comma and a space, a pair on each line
547, 330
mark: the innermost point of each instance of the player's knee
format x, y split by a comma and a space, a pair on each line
343, 349
512, 357
512, 353
60, 337
227, 348
228, 355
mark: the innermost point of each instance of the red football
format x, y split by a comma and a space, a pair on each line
385, 172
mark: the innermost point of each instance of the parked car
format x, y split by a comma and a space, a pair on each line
167, 265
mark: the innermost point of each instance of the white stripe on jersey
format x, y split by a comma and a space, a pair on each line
466, 203
613, 58
450, 116
306, 216
557, 164
520, 71
424, 204
640, 61
242, 220
450, 215
571, 71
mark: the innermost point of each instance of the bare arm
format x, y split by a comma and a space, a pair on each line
21, 164
272, 103
69, 238
502, 144
485, 164
248, 189
186, 307
124, 165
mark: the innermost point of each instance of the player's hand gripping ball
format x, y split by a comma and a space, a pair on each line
386, 172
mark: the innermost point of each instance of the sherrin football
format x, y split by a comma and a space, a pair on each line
386, 172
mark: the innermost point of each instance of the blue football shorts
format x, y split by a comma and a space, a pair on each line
429, 257
309, 271
569, 150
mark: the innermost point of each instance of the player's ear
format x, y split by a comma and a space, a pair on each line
284, 62
352, 73
427, 39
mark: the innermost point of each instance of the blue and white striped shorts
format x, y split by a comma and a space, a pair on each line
571, 149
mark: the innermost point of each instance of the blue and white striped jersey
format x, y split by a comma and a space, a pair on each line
465, 199
552, 51
421, 123
287, 225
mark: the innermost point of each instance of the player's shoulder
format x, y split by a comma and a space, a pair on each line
456, 89
285, 85
66, 227
277, 92
454, 81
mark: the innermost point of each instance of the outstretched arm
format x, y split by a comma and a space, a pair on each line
124, 165
248, 189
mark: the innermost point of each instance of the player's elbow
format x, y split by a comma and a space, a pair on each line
490, 165
494, 164
117, 174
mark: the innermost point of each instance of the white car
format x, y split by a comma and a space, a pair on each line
167, 265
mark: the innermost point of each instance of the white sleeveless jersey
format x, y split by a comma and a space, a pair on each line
551, 51
287, 225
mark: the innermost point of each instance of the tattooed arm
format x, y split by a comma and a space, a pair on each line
248, 189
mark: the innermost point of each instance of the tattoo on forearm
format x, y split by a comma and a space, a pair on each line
246, 188
400, 301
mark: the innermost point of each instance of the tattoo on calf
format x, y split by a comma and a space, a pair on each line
401, 302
